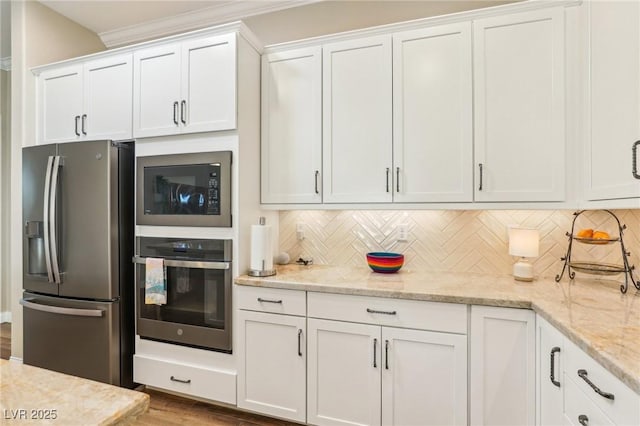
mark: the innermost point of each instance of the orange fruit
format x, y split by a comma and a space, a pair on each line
585, 233
600, 235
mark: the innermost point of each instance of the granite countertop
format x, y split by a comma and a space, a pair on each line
592, 313
32, 395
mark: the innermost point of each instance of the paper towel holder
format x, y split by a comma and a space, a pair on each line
263, 272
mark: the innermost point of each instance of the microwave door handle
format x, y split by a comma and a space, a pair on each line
45, 211
53, 217
187, 263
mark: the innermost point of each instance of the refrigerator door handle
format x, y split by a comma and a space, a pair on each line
53, 219
63, 311
47, 191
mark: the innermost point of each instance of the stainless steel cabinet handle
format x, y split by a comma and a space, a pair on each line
634, 160
84, 124
397, 179
53, 218
59, 310
316, 181
373, 311
387, 179
299, 342
175, 379
77, 118
47, 246
261, 300
375, 353
386, 354
186, 263
480, 186
552, 375
183, 112
175, 113
583, 375
583, 420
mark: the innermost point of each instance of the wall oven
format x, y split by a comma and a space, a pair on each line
184, 189
198, 277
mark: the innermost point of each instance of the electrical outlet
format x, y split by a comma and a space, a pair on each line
300, 231
403, 232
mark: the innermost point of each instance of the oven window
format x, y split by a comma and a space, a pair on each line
182, 190
194, 297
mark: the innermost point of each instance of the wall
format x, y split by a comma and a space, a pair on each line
5, 167
38, 36
327, 17
450, 240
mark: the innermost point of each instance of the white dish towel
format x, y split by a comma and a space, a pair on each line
155, 282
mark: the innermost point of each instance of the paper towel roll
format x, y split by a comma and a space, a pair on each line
261, 248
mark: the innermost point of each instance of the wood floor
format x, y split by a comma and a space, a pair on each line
171, 410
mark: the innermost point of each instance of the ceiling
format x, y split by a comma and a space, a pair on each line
121, 22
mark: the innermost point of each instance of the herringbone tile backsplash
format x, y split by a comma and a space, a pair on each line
452, 240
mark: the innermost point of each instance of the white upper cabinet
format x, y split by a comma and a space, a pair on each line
60, 104
614, 77
185, 87
432, 115
108, 92
86, 101
357, 121
519, 87
292, 126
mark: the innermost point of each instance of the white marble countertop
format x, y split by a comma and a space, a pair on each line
32, 395
594, 314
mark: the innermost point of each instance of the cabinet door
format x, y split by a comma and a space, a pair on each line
108, 92
344, 363
208, 99
60, 104
291, 126
519, 107
614, 99
550, 349
156, 91
357, 136
432, 114
272, 370
424, 378
502, 376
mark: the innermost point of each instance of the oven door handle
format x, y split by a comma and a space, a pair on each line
187, 263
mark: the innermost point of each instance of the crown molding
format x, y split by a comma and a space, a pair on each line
226, 12
5, 63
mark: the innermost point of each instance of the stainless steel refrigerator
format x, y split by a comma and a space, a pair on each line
78, 278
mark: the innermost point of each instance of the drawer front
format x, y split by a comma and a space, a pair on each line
204, 383
578, 407
624, 408
434, 316
273, 300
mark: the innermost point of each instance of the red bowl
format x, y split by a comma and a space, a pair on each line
384, 262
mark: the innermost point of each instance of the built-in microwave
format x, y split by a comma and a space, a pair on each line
184, 189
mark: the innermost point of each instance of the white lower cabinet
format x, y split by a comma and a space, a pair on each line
272, 351
586, 394
344, 373
369, 374
550, 350
185, 378
502, 366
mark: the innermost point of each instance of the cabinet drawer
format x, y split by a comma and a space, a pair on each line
215, 385
624, 408
274, 300
436, 316
578, 406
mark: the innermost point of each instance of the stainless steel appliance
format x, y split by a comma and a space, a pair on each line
185, 189
77, 274
198, 278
